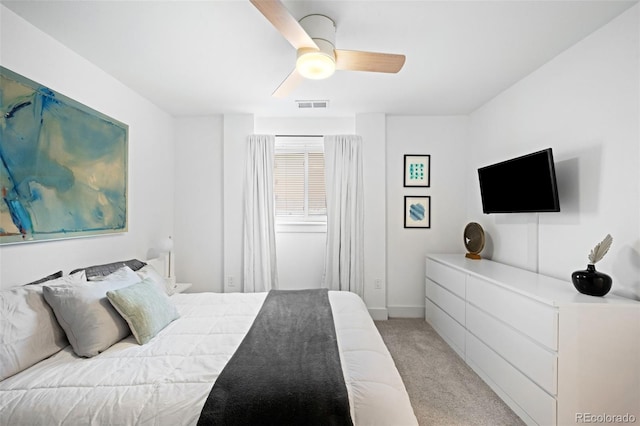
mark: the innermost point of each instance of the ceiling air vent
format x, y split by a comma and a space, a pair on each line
312, 104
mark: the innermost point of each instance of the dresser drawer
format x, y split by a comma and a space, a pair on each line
532, 318
452, 332
447, 301
504, 378
536, 362
449, 278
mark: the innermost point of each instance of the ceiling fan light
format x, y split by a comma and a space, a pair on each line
315, 64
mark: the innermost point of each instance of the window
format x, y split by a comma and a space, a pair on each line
299, 179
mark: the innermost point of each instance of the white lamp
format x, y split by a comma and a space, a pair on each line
164, 246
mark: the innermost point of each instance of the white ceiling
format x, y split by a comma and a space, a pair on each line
209, 57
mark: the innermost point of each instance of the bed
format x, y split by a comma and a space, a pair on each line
168, 379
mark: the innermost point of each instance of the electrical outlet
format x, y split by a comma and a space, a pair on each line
230, 282
377, 284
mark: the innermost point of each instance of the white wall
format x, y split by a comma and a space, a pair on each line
236, 129
446, 140
300, 253
372, 128
33, 54
304, 125
585, 105
198, 208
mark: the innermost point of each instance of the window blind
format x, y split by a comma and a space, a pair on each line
289, 183
299, 177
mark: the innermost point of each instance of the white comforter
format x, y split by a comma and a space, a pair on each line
167, 381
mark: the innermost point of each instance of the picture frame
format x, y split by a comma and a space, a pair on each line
417, 211
417, 171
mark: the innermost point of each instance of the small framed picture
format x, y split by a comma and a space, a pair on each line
417, 171
417, 212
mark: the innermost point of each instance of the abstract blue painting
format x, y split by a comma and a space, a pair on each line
417, 212
63, 165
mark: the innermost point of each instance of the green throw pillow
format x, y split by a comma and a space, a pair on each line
146, 309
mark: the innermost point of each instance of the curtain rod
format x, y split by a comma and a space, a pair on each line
299, 136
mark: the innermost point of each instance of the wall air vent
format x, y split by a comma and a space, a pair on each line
312, 104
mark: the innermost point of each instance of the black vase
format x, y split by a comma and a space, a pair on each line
591, 282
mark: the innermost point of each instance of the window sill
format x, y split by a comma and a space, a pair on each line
301, 227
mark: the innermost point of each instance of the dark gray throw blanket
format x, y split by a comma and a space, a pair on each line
287, 369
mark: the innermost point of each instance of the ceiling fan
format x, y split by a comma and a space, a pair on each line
314, 39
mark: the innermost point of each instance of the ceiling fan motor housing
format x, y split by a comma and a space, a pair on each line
320, 28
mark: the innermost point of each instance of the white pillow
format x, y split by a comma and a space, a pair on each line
90, 322
29, 331
150, 272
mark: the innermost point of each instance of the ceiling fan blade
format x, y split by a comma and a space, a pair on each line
291, 82
353, 60
286, 24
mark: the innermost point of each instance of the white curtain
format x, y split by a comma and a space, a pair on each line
260, 270
344, 262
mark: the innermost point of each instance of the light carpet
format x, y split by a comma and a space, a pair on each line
442, 388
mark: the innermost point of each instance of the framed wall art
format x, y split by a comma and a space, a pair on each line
417, 212
417, 171
63, 165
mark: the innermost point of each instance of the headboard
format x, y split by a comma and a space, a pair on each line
108, 268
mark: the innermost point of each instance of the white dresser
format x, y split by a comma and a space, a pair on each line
555, 356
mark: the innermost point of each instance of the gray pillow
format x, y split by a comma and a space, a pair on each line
90, 322
146, 308
29, 331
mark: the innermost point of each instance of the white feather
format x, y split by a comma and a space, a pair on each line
598, 252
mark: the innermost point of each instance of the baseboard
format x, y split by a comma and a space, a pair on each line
406, 311
379, 314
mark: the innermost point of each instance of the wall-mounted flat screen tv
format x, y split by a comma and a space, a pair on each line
520, 185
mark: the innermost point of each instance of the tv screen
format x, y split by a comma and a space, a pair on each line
519, 185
